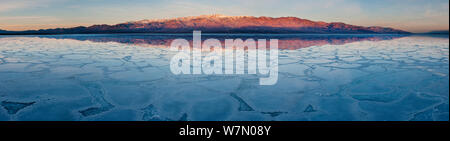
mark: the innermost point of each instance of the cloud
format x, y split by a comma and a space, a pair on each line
22, 18
433, 12
9, 5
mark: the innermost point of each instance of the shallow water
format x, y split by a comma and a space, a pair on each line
127, 77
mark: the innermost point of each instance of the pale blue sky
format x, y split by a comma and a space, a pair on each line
410, 15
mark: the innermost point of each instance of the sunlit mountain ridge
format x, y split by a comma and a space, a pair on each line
221, 24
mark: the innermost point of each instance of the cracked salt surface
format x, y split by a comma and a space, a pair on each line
14, 107
95, 77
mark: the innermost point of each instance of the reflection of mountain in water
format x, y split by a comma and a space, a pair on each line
286, 41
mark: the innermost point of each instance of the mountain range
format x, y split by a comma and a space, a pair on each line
438, 32
220, 24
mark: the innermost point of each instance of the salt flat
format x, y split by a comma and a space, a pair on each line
70, 77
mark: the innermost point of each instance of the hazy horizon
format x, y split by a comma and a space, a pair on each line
409, 15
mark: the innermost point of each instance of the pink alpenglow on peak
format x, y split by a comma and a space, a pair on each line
224, 24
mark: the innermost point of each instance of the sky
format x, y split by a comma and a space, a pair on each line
409, 15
